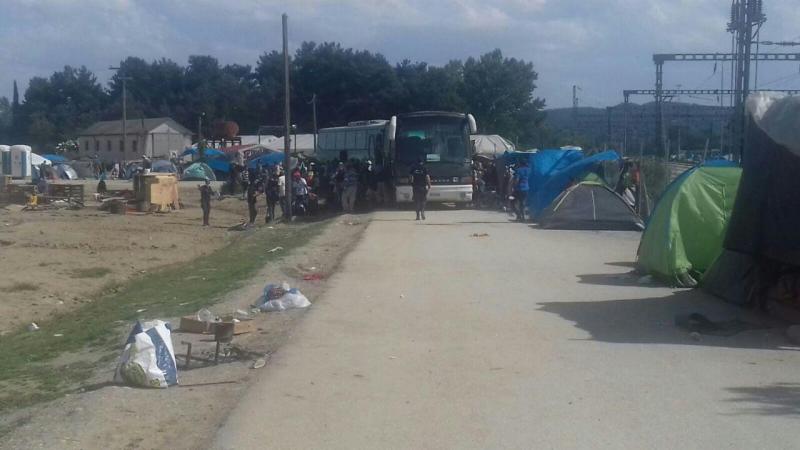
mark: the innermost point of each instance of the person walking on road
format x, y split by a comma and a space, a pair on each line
350, 189
421, 184
206, 191
521, 188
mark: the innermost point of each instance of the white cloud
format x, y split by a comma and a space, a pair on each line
603, 45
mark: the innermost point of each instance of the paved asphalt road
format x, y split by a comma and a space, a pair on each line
432, 338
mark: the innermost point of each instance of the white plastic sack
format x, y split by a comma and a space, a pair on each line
148, 359
281, 298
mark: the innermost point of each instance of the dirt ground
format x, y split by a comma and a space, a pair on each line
108, 416
54, 260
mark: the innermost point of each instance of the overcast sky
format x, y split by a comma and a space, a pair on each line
603, 46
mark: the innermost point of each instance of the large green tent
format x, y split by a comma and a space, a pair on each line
685, 232
198, 172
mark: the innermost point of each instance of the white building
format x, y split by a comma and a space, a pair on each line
157, 138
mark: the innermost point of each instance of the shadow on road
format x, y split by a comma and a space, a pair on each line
617, 279
771, 400
628, 264
651, 320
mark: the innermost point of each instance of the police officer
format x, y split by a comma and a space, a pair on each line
421, 184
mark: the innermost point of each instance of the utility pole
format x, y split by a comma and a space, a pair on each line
314, 115
574, 111
124, 108
747, 16
287, 117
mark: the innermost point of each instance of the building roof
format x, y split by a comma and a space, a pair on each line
133, 126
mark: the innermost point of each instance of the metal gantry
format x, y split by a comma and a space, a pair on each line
668, 93
740, 93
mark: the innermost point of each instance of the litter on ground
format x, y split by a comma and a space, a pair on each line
281, 297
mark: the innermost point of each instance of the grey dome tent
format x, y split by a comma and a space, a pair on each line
590, 205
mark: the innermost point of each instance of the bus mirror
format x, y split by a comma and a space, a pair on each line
392, 128
473, 127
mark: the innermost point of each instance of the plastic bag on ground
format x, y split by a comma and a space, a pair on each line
281, 297
148, 359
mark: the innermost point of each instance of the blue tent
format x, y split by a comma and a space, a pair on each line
219, 165
545, 163
55, 158
552, 182
209, 152
266, 160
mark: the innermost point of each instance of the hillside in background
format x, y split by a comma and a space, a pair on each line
685, 124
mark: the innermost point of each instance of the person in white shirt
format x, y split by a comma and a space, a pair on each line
282, 190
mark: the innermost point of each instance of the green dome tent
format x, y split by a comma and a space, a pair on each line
684, 235
198, 172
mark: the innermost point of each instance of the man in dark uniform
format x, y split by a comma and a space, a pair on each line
206, 191
421, 184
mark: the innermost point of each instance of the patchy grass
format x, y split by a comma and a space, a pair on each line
90, 272
27, 374
21, 286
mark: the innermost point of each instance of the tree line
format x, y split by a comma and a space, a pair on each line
348, 84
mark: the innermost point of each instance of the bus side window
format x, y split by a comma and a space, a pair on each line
343, 156
370, 146
378, 148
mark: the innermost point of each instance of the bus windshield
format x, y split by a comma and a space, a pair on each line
432, 139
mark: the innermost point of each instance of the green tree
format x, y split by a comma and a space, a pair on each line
57, 107
499, 92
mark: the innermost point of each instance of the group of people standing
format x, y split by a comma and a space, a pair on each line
508, 190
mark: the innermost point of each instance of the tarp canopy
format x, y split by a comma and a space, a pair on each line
54, 158
590, 205
38, 160
219, 164
492, 145
300, 143
208, 153
684, 234
554, 173
198, 172
268, 160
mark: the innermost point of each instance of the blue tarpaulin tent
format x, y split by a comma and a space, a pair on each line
551, 177
55, 158
209, 152
545, 163
266, 160
219, 165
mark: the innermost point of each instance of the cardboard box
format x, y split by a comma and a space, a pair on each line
190, 324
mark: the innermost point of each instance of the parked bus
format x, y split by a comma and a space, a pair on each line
442, 140
364, 140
